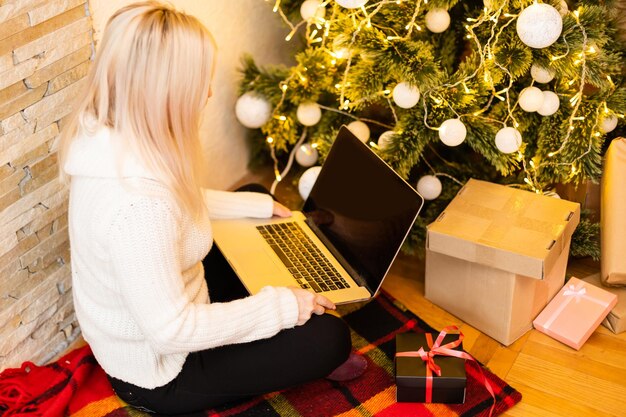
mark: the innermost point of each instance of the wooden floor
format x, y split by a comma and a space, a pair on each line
554, 379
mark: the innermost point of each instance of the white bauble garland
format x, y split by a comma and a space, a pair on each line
351, 4
360, 130
508, 140
306, 155
531, 99
539, 25
252, 110
429, 187
607, 123
309, 113
311, 8
385, 139
307, 180
541, 75
452, 132
437, 20
550, 105
405, 95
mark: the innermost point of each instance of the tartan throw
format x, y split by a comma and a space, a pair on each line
76, 386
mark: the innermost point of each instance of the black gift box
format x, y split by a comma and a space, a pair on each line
448, 388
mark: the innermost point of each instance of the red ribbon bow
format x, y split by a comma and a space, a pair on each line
428, 356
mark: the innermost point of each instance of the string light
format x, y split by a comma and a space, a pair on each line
496, 20
576, 99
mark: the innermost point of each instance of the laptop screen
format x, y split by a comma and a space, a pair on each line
362, 208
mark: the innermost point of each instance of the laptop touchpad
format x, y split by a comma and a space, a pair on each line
259, 266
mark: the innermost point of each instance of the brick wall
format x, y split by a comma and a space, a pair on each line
45, 48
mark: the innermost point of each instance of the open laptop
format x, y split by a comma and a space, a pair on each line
351, 228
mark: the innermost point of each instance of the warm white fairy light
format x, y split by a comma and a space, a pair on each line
412, 24
575, 100
497, 20
352, 41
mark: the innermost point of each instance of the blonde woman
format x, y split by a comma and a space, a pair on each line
173, 329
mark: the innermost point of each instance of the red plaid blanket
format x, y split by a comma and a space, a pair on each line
76, 386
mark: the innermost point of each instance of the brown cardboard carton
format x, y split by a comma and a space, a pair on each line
616, 320
497, 255
586, 193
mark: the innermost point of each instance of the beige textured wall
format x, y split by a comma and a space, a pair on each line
45, 47
238, 26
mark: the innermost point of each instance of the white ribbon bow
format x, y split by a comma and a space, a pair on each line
578, 293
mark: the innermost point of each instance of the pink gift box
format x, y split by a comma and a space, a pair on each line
575, 312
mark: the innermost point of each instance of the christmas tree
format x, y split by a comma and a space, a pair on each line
517, 92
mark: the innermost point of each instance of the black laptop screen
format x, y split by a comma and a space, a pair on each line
362, 207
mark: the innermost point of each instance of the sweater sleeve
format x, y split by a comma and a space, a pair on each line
145, 250
229, 204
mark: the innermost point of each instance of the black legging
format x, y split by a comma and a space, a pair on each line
236, 372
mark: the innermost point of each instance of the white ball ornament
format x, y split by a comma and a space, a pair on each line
405, 95
351, 4
551, 104
307, 180
309, 113
253, 110
306, 155
539, 25
541, 75
608, 124
311, 8
531, 99
508, 140
429, 187
452, 132
437, 20
360, 130
385, 139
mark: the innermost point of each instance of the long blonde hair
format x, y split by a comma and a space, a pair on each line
149, 83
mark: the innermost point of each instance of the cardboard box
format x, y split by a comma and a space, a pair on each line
616, 319
411, 373
613, 219
575, 312
497, 255
587, 193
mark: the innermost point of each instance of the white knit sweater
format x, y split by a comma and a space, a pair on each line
138, 282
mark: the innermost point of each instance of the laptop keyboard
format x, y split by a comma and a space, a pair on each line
303, 259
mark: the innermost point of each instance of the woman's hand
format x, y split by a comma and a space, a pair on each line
280, 210
310, 303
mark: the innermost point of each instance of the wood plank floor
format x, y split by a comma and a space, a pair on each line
554, 379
